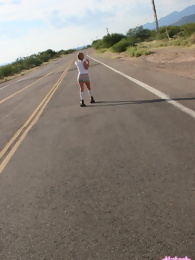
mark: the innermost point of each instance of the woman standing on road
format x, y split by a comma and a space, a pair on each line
83, 77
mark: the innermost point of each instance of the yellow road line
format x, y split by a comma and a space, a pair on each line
21, 90
4, 150
32, 120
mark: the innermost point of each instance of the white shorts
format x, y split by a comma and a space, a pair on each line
83, 77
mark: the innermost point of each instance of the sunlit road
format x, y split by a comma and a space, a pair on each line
114, 180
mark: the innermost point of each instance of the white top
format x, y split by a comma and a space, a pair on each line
80, 66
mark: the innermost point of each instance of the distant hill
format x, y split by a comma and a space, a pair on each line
171, 18
185, 20
3, 64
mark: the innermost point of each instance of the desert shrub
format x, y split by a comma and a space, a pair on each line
192, 38
102, 51
37, 62
32, 61
131, 51
110, 39
184, 42
153, 35
175, 43
44, 56
188, 29
68, 51
16, 68
51, 53
97, 44
174, 30
29, 62
123, 45
120, 46
7, 70
177, 31
139, 33
136, 52
140, 52
1, 74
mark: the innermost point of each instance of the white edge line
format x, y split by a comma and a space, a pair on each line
4, 87
152, 90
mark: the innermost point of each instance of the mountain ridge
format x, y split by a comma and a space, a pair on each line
185, 20
171, 18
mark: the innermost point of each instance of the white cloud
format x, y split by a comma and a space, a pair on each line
71, 23
36, 9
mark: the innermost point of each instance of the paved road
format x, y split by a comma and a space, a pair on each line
114, 180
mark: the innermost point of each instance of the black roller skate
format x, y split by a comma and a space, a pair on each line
82, 104
92, 100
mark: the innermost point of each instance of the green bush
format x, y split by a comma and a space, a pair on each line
173, 30
188, 29
29, 62
37, 62
192, 38
51, 53
69, 51
139, 33
123, 45
118, 42
102, 51
131, 51
7, 70
136, 52
1, 74
45, 56
177, 31
110, 39
97, 44
16, 68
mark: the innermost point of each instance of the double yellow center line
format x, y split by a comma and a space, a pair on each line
30, 85
19, 136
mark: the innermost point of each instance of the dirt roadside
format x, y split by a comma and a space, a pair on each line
175, 60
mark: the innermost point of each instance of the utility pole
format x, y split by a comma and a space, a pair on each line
107, 31
155, 16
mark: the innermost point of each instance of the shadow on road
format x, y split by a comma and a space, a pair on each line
134, 102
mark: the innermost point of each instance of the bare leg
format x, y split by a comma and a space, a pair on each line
81, 84
90, 91
88, 85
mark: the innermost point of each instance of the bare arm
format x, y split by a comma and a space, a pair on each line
86, 64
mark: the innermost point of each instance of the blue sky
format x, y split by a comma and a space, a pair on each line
31, 26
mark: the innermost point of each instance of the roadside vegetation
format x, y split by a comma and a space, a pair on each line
26, 63
139, 41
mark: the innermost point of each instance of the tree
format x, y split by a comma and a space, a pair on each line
97, 44
110, 39
139, 33
51, 53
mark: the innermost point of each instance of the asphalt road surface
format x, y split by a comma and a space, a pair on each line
114, 180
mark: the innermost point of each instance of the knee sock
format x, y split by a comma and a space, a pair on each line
82, 95
90, 92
